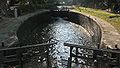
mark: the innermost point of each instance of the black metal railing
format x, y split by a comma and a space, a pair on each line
20, 55
93, 57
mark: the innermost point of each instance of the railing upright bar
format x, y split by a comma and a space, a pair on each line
118, 61
76, 60
1, 60
19, 56
48, 58
2, 56
70, 59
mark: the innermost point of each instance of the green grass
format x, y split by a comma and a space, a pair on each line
115, 21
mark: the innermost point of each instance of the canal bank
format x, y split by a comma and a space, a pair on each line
110, 36
8, 29
45, 18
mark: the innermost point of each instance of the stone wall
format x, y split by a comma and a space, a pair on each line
86, 22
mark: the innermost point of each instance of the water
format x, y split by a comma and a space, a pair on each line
61, 31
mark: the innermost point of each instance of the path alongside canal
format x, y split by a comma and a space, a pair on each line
110, 35
9, 26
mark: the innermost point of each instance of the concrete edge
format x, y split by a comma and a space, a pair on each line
110, 36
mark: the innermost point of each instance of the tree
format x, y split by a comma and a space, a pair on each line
26, 5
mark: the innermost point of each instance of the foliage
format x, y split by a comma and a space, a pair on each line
113, 19
24, 5
102, 4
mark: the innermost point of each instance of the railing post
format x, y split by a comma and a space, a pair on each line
48, 58
118, 60
70, 59
20, 58
76, 60
68, 63
95, 59
2, 56
1, 60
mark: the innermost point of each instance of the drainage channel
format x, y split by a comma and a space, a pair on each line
60, 31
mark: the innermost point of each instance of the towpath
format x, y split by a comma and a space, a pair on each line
110, 36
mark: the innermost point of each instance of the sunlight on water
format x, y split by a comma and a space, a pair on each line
62, 31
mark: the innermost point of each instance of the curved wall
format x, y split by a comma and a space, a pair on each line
30, 24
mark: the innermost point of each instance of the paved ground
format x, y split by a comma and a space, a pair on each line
110, 36
9, 26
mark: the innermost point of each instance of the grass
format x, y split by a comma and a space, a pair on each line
113, 19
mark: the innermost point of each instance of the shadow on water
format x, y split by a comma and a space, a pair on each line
53, 29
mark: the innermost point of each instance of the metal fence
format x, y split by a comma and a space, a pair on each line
18, 56
93, 57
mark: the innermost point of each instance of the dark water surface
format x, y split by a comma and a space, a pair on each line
61, 31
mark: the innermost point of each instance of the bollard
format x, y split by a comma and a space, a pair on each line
98, 45
15, 13
116, 47
3, 44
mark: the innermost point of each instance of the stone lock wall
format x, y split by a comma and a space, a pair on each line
86, 22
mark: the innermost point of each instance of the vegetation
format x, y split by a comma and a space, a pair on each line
28, 5
114, 5
23, 5
112, 18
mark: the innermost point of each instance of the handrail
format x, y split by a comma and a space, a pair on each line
96, 55
20, 53
78, 45
91, 48
29, 46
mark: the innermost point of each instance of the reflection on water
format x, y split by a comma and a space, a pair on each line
61, 31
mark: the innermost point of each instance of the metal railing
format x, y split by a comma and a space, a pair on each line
96, 58
16, 55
